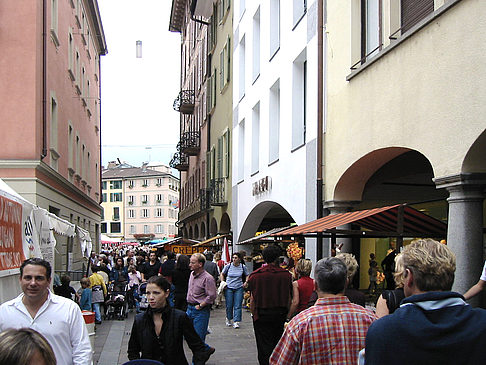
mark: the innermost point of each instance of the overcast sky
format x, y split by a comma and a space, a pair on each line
138, 123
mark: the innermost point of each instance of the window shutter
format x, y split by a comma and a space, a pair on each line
413, 11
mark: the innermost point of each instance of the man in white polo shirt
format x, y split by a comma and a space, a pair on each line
58, 319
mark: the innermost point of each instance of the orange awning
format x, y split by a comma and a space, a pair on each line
401, 219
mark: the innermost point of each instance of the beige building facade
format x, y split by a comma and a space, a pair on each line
405, 115
140, 203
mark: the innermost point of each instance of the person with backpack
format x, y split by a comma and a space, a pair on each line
235, 275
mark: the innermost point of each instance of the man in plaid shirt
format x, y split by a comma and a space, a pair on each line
333, 331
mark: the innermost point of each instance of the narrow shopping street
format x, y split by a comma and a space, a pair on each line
232, 345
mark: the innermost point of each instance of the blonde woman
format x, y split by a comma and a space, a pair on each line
302, 287
390, 300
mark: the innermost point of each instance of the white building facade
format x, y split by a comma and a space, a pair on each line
274, 115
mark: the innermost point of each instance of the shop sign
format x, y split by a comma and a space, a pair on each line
186, 249
262, 185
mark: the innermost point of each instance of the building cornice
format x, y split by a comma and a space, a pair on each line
49, 172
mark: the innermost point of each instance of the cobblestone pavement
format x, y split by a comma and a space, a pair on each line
232, 345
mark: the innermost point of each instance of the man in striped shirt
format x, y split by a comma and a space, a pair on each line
333, 331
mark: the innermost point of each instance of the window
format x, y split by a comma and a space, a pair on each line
274, 27
159, 199
71, 54
160, 182
256, 44
103, 185
145, 213
413, 11
103, 197
115, 197
299, 101
116, 213
131, 183
223, 7
145, 199
226, 154
274, 123
242, 7
145, 183
146, 229
76, 70
255, 138
131, 213
224, 65
103, 227
241, 150
115, 184
54, 122
159, 228
300, 7
370, 28
131, 200
241, 65
133, 229
159, 212
54, 22
115, 227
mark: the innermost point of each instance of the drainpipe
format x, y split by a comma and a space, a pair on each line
100, 179
320, 114
44, 79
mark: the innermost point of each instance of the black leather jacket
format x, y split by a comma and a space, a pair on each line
168, 348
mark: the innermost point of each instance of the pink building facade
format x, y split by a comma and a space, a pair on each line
50, 117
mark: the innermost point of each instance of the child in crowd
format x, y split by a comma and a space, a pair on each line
85, 301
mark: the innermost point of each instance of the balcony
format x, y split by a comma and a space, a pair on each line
184, 103
205, 199
180, 161
218, 196
190, 143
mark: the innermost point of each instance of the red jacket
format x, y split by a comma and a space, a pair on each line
271, 287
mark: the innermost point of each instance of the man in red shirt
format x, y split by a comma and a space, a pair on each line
333, 331
271, 295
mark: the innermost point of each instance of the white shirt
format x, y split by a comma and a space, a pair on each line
483, 274
59, 320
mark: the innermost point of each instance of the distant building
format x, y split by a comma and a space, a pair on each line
50, 115
139, 203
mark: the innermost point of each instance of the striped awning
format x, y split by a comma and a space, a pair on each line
400, 219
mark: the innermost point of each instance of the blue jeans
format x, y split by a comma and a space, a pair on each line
200, 320
234, 298
96, 308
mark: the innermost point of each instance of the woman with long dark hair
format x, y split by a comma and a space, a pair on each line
157, 334
180, 280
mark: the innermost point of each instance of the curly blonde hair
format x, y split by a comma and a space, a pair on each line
398, 274
433, 264
350, 262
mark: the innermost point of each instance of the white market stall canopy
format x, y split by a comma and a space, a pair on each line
27, 231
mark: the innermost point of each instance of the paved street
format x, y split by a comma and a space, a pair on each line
232, 345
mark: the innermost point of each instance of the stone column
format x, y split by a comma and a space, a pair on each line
337, 207
465, 227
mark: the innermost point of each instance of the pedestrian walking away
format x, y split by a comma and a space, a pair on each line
271, 295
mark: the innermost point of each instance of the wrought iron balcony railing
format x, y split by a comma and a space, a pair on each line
184, 103
205, 199
190, 143
180, 161
218, 195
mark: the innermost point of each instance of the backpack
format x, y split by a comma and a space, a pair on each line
243, 276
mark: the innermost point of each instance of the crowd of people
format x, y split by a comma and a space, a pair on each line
296, 319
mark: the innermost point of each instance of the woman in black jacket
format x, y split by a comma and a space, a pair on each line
157, 334
180, 279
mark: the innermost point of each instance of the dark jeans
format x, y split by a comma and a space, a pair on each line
268, 330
